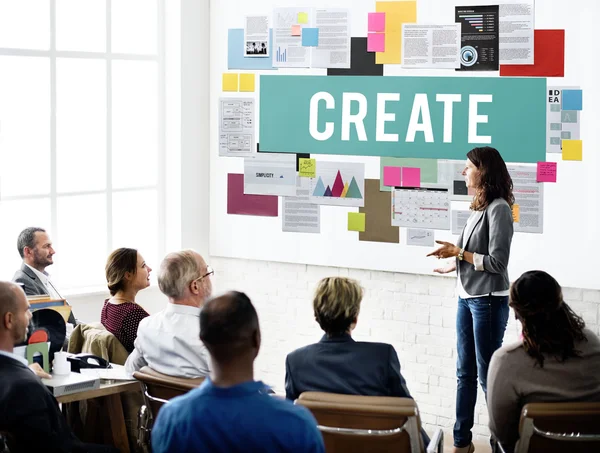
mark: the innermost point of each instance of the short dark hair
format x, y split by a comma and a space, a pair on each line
227, 324
495, 181
27, 239
119, 262
550, 327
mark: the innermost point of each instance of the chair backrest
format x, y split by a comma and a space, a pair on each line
159, 388
351, 423
559, 427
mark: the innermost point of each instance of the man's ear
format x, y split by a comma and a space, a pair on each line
27, 251
7, 320
256, 339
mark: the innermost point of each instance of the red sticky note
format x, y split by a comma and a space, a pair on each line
546, 172
548, 57
391, 176
411, 177
377, 22
240, 203
376, 42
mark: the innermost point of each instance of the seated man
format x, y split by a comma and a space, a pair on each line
35, 248
28, 411
337, 363
169, 341
557, 359
231, 412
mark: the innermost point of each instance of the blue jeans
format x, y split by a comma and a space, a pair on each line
480, 326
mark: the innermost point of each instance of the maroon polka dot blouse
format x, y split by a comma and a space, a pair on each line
122, 320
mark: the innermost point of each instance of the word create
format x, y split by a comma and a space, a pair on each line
420, 110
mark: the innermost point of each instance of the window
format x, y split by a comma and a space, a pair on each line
82, 132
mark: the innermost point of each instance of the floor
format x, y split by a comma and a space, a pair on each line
480, 446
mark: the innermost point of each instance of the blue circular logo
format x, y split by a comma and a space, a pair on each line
468, 56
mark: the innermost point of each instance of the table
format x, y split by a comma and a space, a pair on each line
110, 392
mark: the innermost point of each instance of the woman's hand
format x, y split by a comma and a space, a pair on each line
447, 250
446, 270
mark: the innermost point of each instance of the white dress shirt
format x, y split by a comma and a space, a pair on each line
169, 342
45, 279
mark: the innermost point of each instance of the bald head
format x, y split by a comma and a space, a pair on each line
229, 327
14, 315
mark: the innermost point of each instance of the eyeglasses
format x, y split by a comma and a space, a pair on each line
209, 271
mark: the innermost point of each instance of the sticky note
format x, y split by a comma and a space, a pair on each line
516, 213
396, 14
303, 18
230, 81
391, 55
572, 100
391, 176
572, 150
376, 42
247, 82
356, 221
310, 37
296, 30
307, 168
411, 177
546, 172
376, 21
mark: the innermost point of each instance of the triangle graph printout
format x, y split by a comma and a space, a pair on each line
338, 184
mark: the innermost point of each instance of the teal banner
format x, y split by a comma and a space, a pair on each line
427, 117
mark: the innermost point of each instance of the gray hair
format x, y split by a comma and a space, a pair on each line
27, 239
177, 271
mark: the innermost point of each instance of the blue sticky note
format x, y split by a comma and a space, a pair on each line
572, 99
235, 52
310, 37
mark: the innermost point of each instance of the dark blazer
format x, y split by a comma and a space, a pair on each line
342, 365
30, 413
32, 285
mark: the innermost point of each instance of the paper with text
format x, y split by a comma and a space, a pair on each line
236, 127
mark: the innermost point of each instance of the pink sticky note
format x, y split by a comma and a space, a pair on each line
391, 176
546, 172
411, 177
376, 42
296, 30
376, 21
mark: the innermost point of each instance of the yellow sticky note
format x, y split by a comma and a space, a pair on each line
516, 213
230, 81
307, 168
572, 150
396, 14
247, 82
356, 221
303, 18
391, 55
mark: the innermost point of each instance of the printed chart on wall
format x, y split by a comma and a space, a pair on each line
561, 124
421, 207
528, 211
236, 127
338, 184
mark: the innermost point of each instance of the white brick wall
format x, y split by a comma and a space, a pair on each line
415, 313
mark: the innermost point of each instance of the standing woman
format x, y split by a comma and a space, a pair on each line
126, 274
482, 285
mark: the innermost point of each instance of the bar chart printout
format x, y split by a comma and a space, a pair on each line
479, 37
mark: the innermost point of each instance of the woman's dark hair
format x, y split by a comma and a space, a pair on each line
119, 262
494, 180
550, 327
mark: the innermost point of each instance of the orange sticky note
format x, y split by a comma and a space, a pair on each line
247, 82
396, 14
572, 150
230, 81
516, 213
296, 30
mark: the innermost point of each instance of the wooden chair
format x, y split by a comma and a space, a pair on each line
559, 427
375, 424
157, 389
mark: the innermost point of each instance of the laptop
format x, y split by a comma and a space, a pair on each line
71, 383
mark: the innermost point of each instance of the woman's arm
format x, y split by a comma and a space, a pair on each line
500, 223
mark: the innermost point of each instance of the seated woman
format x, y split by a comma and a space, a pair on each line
126, 274
557, 359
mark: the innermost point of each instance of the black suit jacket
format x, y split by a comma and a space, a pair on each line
32, 286
342, 365
30, 413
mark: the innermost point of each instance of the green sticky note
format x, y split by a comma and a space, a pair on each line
307, 168
356, 221
303, 18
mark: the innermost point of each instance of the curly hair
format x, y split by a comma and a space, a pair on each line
494, 179
550, 327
